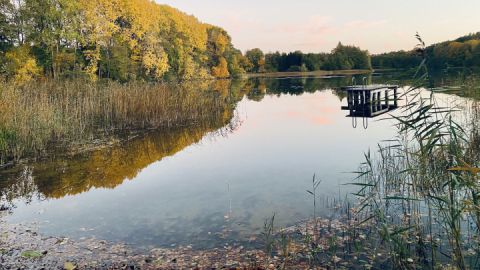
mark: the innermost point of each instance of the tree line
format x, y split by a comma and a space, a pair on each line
341, 57
117, 39
138, 39
135, 39
463, 52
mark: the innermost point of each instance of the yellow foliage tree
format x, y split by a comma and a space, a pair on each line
21, 65
221, 70
123, 39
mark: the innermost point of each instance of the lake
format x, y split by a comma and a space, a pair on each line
211, 184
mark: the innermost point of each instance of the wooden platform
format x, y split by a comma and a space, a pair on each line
371, 87
370, 101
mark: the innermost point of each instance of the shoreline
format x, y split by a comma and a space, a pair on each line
24, 247
308, 74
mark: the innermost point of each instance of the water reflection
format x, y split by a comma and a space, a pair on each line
370, 101
107, 167
209, 183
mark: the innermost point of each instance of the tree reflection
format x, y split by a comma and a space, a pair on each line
108, 167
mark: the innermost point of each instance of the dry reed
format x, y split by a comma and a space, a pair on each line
39, 116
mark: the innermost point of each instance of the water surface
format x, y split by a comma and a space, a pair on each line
209, 184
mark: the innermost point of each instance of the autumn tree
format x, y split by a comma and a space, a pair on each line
116, 39
21, 66
221, 70
461, 52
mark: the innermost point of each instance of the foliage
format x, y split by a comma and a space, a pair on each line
396, 60
31, 254
21, 66
257, 58
7, 27
221, 71
464, 52
120, 39
342, 57
421, 194
37, 114
348, 57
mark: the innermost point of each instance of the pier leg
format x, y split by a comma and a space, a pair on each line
395, 97
387, 101
370, 103
350, 101
379, 101
374, 102
364, 102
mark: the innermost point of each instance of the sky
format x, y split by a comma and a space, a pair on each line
318, 25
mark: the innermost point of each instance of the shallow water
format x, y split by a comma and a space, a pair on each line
209, 184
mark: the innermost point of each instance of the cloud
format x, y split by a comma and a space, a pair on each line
314, 33
312, 25
314, 118
310, 33
314, 109
320, 120
363, 24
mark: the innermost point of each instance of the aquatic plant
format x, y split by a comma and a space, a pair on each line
421, 191
39, 117
268, 235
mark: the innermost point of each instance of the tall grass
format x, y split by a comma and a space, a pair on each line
421, 190
39, 116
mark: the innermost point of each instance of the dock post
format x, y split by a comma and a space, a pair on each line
374, 102
395, 97
387, 101
381, 101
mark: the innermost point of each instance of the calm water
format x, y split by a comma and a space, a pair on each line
209, 184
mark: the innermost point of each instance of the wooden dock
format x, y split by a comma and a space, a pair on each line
370, 101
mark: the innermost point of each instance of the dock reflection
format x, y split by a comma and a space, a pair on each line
370, 101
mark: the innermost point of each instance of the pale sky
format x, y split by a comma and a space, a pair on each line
318, 25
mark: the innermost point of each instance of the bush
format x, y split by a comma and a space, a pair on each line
21, 65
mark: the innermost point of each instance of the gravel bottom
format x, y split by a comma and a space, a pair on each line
21, 247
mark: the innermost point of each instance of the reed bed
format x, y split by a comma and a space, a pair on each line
417, 201
417, 205
41, 116
420, 190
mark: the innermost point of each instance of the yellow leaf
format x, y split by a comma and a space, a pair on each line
69, 266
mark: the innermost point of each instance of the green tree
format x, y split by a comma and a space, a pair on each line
257, 58
348, 57
236, 62
272, 62
7, 25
